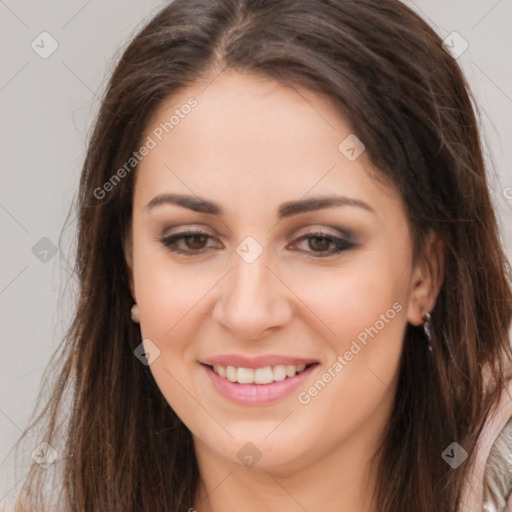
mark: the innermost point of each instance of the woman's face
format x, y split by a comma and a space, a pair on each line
297, 285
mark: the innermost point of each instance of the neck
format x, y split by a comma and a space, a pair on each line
342, 479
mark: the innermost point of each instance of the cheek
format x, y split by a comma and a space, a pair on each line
168, 296
171, 298
355, 389
357, 301
360, 311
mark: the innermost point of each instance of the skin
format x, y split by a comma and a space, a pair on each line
250, 145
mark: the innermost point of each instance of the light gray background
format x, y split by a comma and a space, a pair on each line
47, 107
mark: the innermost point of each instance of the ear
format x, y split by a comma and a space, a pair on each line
426, 279
128, 256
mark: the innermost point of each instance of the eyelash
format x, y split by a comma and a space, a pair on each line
339, 243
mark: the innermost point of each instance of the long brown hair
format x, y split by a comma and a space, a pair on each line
120, 444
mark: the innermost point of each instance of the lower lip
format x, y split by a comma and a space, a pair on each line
254, 394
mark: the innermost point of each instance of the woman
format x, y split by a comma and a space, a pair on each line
293, 294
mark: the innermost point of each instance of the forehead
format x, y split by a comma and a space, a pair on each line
255, 140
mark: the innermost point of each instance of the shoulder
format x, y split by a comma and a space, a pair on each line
497, 488
488, 484
498, 472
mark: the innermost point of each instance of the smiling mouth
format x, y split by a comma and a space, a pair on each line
262, 375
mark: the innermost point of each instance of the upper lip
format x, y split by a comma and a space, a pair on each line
256, 362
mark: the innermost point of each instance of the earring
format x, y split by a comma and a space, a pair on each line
135, 313
427, 328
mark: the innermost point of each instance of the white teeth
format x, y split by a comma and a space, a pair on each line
245, 375
280, 372
264, 375
221, 370
290, 370
231, 373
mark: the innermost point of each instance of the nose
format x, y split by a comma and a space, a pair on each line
253, 301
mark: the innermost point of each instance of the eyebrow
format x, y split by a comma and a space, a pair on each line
287, 209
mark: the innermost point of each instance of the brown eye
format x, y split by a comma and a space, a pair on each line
196, 241
190, 243
322, 244
319, 243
